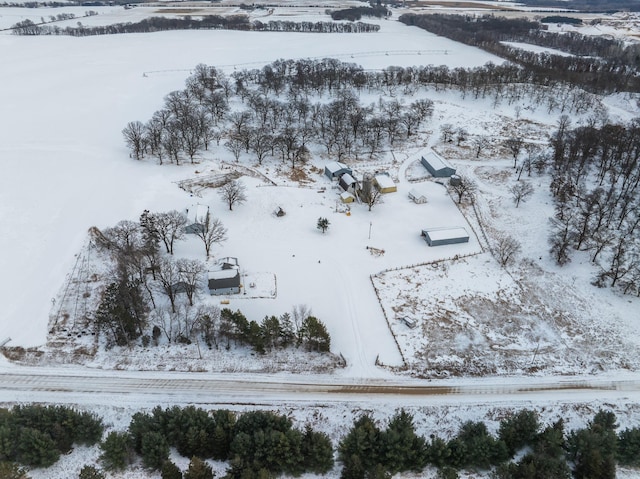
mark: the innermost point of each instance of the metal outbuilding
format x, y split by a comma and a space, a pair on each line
335, 170
443, 236
436, 165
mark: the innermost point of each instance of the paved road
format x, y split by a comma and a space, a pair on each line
182, 388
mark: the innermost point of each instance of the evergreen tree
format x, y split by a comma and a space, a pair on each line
360, 448
198, 469
401, 449
154, 450
11, 470
314, 335
629, 447
170, 471
117, 451
593, 450
323, 224
36, 448
317, 451
519, 430
91, 472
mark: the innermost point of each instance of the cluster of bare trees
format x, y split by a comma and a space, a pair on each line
207, 22
263, 125
615, 70
596, 187
143, 279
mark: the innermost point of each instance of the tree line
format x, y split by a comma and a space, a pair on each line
271, 113
207, 22
596, 189
616, 69
263, 125
356, 13
264, 444
36, 436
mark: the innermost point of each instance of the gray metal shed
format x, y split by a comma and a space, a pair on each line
436, 165
443, 236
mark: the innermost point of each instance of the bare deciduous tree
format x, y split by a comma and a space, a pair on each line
507, 250
465, 189
521, 191
190, 271
212, 231
369, 194
233, 192
135, 138
168, 227
514, 145
479, 144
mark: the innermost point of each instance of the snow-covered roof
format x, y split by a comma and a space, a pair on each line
413, 193
439, 234
347, 179
197, 213
223, 273
435, 160
228, 260
345, 195
384, 181
335, 166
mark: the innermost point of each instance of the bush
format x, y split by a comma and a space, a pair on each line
10, 470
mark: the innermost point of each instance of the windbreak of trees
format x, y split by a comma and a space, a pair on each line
256, 443
207, 22
356, 13
35, 436
602, 6
615, 68
596, 188
264, 444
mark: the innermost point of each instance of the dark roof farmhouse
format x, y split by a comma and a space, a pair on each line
437, 166
443, 236
225, 279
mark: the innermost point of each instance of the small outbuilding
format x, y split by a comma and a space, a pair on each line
347, 197
436, 165
417, 197
226, 278
196, 218
443, 236
335, 170
348, 182
384, 183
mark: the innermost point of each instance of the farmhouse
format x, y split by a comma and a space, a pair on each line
443, 236
335, 170
384, 183
417, 197
196, 217
437, 165
347, 182
225, 279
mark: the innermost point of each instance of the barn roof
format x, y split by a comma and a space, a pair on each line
334, 166
436, 161
384, 181
439, 234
